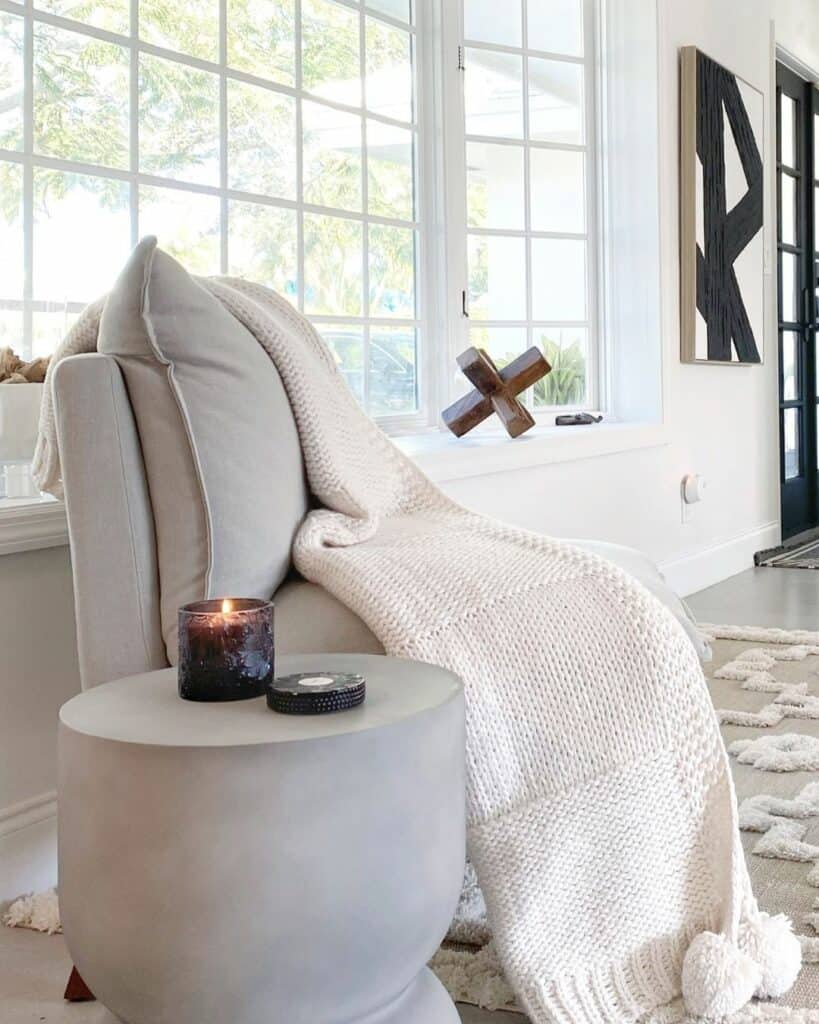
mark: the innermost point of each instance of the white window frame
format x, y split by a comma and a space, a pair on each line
456, 138
134, 46
440, 221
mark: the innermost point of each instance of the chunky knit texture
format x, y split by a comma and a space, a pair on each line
601, 813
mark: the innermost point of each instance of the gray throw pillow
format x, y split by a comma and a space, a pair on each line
220, 446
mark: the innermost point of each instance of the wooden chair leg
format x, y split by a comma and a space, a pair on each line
76, 991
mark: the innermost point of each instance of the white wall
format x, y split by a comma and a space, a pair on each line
797, 30
38, 672
721, 421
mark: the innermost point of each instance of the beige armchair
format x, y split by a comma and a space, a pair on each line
113, 540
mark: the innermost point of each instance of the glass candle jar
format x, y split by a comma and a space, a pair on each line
225, 649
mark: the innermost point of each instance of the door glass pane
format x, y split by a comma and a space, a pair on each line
494, 186
787, 210
262, 246
389, 70
332, 157
391, 271
80, 98
558, 279
191, 27
788, 312
331, 71
790, 365
333, 265
393, 360
497, 277
791, 439
261, 141
787, 120
178, 121
390, 170
555, 101
558, 190
816, 220
816, 150
482, 23
566, 349
493, 94
556, 26
11, 81
261, 38
186, 224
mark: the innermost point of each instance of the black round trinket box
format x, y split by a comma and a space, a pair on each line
315, 693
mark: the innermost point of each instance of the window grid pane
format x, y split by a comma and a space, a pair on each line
297, 169
529, 214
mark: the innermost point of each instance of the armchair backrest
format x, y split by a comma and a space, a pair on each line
110, 522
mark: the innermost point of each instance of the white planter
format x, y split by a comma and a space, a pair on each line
19, 417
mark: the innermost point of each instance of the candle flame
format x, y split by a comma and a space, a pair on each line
227, 606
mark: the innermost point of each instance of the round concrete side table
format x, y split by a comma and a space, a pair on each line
221, 862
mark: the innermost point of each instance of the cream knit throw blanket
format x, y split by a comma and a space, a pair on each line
601, 814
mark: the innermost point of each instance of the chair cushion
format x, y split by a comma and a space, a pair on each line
221, 450
309, 620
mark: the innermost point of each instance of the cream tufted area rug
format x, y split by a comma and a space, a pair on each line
765, 687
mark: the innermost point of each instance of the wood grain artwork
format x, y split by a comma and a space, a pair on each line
495, 391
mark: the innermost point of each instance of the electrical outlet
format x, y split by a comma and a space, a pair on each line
692, 487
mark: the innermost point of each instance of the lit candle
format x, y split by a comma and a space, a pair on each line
225, 649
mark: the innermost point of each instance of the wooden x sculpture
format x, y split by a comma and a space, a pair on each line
495, 391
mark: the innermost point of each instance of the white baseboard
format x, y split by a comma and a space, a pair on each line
28, 846
690, 573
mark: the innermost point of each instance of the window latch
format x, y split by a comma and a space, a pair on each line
464, 310
461, 61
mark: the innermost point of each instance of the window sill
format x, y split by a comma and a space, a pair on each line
27, 524
442, 456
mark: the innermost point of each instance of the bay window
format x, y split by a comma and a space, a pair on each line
413, 176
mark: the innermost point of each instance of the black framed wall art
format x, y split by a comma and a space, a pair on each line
722, 256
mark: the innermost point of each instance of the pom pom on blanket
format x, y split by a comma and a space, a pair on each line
717, 977
771, 943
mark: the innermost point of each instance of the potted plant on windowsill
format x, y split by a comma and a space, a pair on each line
21, 391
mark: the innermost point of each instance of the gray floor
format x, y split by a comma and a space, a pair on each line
33, 967
762, 597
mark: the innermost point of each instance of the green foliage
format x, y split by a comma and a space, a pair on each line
330, 46
178, 120
566, 384
80, 98
81, 113
392, 265
262, 38
191, 27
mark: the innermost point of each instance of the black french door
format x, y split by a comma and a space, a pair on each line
797, 192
